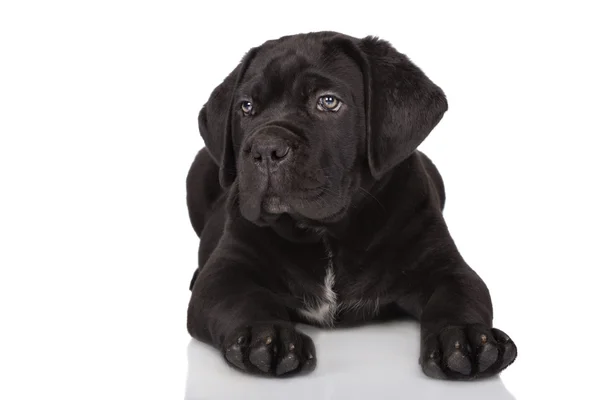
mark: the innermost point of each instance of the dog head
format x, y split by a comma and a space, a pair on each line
302, 119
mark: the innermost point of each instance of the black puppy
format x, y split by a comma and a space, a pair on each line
313, 205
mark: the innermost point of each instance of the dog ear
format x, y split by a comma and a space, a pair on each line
214, 122
402, 105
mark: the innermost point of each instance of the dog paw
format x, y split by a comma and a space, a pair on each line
467, 352
277, 350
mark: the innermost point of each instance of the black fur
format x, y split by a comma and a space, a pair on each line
287, 191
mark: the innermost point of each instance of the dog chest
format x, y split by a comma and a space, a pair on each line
331, 305
323, 308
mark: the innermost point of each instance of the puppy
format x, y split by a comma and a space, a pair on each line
313, 205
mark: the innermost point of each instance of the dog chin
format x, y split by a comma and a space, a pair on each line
319, 219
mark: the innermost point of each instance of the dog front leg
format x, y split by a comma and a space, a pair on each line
457, 338
233, 309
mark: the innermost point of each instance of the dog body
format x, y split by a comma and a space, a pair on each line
313, 205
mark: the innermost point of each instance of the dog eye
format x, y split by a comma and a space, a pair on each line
329, 103
247, 107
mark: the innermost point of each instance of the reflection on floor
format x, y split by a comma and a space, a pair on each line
372, 362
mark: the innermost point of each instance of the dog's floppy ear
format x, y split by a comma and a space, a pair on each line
402, 105
214, 122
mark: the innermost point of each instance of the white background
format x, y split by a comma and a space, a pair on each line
98, 107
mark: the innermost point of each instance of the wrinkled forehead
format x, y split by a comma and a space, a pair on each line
301, 66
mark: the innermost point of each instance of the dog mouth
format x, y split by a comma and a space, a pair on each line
277, 204
274, 205
264, 204
315, 206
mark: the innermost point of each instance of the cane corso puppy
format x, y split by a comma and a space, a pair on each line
313, 205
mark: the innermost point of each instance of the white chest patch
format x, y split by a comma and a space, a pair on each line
322, 310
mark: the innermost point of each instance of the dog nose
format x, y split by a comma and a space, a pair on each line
270, 150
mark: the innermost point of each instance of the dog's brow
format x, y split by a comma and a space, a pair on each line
316, 78
252, 88
315, 81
